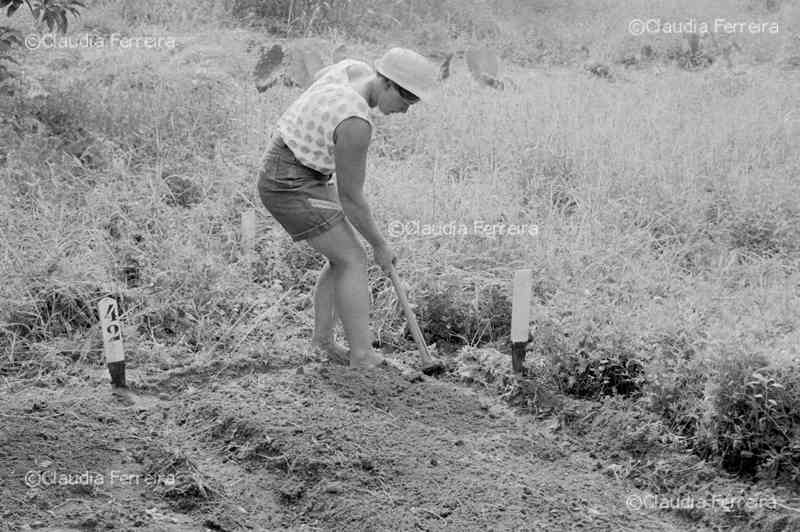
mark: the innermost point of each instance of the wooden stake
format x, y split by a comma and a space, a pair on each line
249, 234
112, 341
520, 317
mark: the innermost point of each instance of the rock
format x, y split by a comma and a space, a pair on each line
266, 72
293, 67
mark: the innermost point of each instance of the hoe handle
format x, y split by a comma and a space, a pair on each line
411, 318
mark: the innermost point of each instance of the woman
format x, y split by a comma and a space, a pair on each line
327, 130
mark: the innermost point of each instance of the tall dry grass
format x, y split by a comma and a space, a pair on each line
666, 203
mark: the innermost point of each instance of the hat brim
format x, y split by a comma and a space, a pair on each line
422, 94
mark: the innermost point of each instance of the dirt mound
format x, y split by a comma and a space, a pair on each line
356, 450
318, 446
80, 460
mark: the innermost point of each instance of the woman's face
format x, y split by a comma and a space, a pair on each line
391, 100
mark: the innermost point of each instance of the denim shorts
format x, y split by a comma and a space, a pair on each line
305, 202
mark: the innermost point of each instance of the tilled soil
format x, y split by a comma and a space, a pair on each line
321, 448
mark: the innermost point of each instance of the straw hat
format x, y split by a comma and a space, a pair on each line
410, 70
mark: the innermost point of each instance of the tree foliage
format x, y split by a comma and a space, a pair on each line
52, 13
8, 38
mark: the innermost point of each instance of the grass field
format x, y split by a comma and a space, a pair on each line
664, 201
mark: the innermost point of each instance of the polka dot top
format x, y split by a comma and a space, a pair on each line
308, 124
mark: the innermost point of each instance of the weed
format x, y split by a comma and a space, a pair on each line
178, 479
600, 367
182, 191
676, 380
449, 314
753, 417
55, 310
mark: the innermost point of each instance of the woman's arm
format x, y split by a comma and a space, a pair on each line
351, 140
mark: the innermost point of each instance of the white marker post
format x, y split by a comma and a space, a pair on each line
520, 317
249, 235
112, 341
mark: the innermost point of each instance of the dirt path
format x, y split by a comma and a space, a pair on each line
325, 449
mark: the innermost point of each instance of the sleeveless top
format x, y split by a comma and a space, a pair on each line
308, 124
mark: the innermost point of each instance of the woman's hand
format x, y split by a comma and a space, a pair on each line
385, 257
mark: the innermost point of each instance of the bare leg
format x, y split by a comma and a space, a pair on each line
348, 266
325, 317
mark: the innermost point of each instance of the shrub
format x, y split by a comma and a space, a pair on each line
455, 316
55, 310
53, 13
603, 367
676, 380
598, 365
753, 418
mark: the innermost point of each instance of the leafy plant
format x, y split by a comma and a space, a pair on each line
53, 13
50, 12
454, 316
754, 419
8, 37
676, 380
600, 367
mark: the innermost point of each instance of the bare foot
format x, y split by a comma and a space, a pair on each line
370, 359
338, 354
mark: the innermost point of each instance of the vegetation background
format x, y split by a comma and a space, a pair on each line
667, 259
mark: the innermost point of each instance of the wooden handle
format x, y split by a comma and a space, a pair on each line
410, 317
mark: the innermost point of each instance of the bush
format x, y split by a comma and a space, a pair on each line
676, 380
601, 367
596, 365
55, 310
753, 418
455, 316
